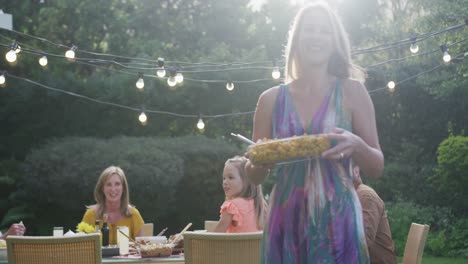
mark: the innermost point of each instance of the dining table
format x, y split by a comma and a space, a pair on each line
174, 259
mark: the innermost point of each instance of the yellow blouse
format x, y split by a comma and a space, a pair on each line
134, 223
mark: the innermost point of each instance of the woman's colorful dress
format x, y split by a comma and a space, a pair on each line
315, 215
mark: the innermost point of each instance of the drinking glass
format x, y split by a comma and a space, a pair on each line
58, 231
122, 240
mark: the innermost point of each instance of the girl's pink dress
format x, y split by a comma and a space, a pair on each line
243, 215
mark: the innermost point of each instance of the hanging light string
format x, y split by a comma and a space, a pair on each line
381, 47
101, 62
458, 57
87, 63
213, 81
405, 42
414, 55
4, 75
93, 62
152, 61
84, 97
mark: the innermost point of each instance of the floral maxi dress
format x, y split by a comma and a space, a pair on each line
315, 215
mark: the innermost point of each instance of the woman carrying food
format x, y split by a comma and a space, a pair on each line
315, 215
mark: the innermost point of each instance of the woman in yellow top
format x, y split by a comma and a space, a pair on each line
112, 200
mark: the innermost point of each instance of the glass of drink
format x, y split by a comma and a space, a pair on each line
58, 231
122, 240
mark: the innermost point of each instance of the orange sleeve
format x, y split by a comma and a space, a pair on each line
232, 209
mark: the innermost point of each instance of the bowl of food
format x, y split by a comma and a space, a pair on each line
155, 250
287, 149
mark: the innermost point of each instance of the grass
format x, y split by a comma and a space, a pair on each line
435, 260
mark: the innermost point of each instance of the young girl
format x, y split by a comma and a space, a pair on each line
244, 208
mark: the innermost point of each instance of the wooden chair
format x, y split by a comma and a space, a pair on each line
210, 225
415, 244
80, 249
147, 229
215, 248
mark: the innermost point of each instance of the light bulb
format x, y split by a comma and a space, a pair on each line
171, 81
2, 79
200, 124
276, 74
18, 49
391, 86
447, 57
414, 48
230, 86
142, 117
179, 77
10, 56
43, 61
161, 73
140, 83
70, 54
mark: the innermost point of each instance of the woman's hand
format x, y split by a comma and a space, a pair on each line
346, 144
257, 173
15, 230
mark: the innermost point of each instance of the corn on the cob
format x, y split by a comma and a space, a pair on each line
271, 151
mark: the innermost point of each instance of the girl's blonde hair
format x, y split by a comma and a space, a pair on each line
340, 63
250, 190
100, 197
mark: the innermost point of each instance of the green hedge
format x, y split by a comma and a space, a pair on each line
172, 181
448, 234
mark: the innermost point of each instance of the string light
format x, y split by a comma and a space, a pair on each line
18, 49
276, 74
10, 56
92, 61
381, 47
70, 54
140, 84
179, 78
391, 86
43, 61
229, 86
171, 81
161, 72
2, 79
200, 124
414, 48
94, 100
142, 118
446, 58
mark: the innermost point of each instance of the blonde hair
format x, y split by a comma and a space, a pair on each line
250, 190
100, 197
340, 63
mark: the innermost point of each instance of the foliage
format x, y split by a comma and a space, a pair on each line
451, 176
412, 121
60, 177
402, 214
11, 212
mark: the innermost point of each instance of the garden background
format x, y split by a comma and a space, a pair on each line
53, 146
